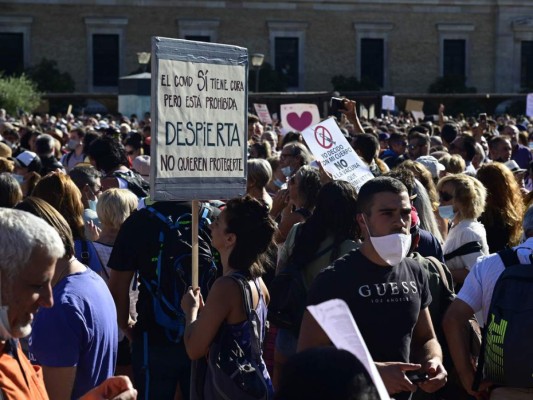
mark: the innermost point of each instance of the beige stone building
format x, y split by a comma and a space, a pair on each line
401, 45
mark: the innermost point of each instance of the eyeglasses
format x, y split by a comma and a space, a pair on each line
284, 156
444, 196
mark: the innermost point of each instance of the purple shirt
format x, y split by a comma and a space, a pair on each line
522, 155
80, 330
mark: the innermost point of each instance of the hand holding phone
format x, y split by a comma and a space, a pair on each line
417, 376
336, 104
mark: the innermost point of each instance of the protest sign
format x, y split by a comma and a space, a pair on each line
414, 105
263, 114
297, 117
529, 105
388, 103
335, 318
418, 116
330, 147
199, 120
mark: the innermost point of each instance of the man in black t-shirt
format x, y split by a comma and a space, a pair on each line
387, 293
158, 364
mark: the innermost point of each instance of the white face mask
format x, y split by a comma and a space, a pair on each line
391, 248
287, 171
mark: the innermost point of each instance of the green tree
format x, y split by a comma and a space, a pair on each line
450, 84
18, 93
342, 83
49, 79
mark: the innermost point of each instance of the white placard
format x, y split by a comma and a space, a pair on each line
330, 147
298, 117
335, 318
418, 116
388, 103
529, 105
199, 105
263, 113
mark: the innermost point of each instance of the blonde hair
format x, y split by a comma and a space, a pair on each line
115, 206
469, 194
454, 164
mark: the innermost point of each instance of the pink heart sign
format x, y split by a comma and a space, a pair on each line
300, 122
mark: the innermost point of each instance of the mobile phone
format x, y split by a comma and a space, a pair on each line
336, 104
417, 376
482, 117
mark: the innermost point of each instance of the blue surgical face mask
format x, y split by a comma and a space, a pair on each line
447, 212
92, 204
287, 171
278, 183
18, 178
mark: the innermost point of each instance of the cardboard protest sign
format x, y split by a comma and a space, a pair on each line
529, 105
414, 105
297, 117
199, 120
330, 147
263, 114
388, 103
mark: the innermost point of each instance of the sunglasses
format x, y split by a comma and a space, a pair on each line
444, 196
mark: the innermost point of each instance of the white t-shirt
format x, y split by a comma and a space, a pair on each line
479, 283
468, 230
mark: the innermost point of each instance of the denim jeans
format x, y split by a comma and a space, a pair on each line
158, 368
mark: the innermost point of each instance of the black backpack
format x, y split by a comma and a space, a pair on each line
288, 294
136, 184
172, 267
506, 357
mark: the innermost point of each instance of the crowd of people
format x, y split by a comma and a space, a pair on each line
97, 297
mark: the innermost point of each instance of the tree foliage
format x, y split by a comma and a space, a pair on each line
342, 83
450, 84
49, 79
18, 93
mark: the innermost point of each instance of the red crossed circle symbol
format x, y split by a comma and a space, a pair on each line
323, 137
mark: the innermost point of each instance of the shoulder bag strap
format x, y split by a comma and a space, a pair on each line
467, 248
442, 274
509, 257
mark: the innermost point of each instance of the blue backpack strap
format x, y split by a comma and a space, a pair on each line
166, 220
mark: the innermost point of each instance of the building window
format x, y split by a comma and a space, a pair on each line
15, 35
373, 61
12, 50
371, 57
105, 44
455, 50
286, 60
105, 60
526, 68
454, 57
205, 30
287, 44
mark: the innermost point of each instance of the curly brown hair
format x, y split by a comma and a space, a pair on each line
504, 199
